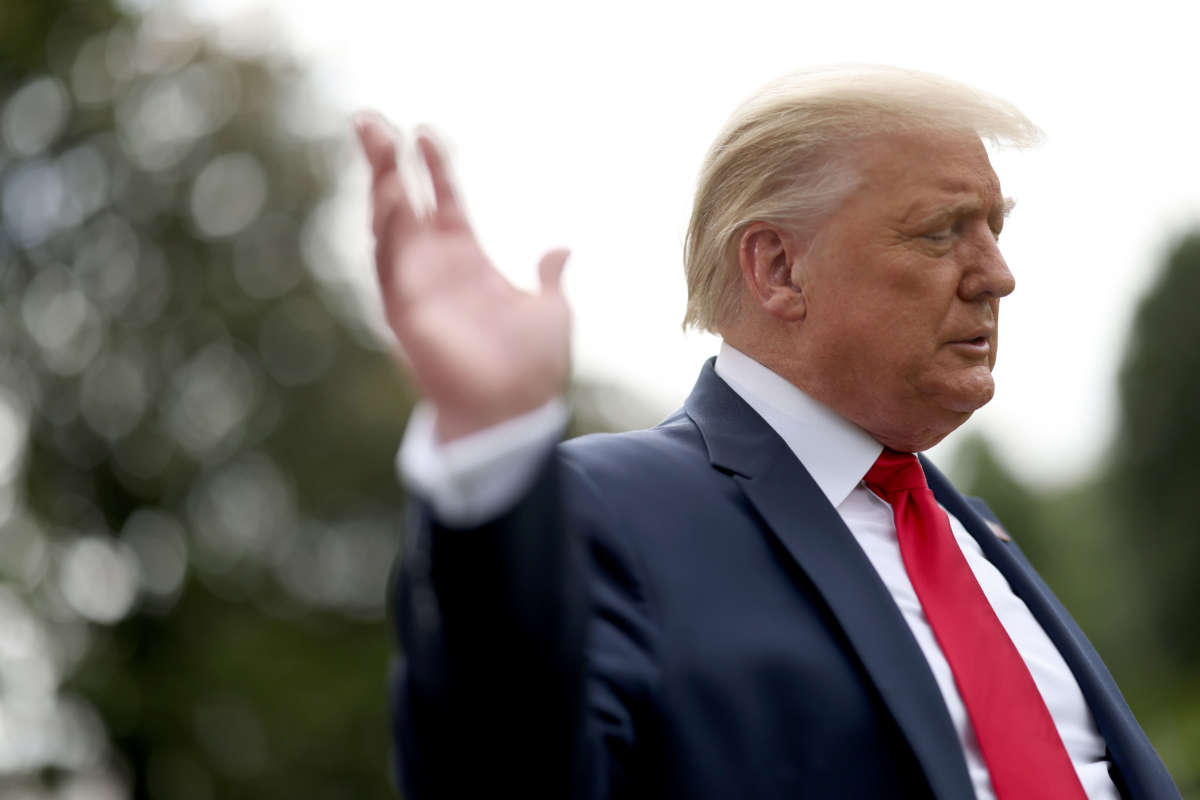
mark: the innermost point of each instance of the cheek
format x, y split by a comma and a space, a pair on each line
906, 340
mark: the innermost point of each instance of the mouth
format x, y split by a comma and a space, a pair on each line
976, 345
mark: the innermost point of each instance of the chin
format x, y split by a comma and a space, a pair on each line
918, 440
968, 395
929, 415
967, 404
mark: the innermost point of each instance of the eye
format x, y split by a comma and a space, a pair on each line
940, 236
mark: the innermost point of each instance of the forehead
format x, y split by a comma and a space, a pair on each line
926, 167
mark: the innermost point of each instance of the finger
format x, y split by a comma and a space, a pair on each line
378, 143
389, 238
388, 198
449, 212
387, 190
550, 269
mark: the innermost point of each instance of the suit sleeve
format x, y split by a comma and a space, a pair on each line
525, 651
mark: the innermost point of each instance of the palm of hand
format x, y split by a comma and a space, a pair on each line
480, 350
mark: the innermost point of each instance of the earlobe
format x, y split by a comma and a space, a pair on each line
799, 306
767, 259
787, 302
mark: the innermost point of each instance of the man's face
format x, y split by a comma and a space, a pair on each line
902, 289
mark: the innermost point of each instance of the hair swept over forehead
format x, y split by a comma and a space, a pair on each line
783, 157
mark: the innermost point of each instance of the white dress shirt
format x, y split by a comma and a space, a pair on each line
480, 476
837, 453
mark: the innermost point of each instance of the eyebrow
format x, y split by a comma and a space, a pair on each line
965, 206
1007, 204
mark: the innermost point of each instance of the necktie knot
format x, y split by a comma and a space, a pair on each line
895, 472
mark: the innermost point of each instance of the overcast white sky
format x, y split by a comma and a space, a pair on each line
584, 125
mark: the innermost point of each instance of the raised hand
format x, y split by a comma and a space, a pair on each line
481, 350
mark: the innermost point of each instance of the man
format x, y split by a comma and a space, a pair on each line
759, 597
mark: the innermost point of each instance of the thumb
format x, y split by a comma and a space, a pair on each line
550, 269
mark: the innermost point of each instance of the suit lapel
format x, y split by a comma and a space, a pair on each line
1140, 767
815, 537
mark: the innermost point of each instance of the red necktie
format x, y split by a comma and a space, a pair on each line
1020, 745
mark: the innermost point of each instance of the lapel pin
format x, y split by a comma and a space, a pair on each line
1001, 534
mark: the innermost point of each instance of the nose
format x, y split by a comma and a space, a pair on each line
985, 273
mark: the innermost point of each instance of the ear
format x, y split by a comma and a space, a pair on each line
769, 258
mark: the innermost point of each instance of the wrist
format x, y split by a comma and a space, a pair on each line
452, 424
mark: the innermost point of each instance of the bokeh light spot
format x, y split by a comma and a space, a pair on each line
210, 397
84, 177
160, 118
26, 551
158, 541
14, 429
106, 263
228, 194
113, 395
91, 80
240, 511
33, 201
99, 578
61, 319
35, 115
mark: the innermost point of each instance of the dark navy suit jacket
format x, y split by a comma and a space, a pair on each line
680, 613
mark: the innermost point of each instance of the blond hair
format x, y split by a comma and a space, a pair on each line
785, 157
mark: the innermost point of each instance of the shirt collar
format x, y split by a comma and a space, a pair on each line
836, 452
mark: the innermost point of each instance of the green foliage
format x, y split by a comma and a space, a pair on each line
1155, 468
1012, 500
198, 509
222, 699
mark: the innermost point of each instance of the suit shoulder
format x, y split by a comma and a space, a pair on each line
669, 445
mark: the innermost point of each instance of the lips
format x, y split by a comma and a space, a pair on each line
977, 343
978, 337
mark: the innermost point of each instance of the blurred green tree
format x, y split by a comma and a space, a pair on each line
1152, 477
197, 505
198, 510
1156, 461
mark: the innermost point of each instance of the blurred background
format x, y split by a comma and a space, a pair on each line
199, 412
